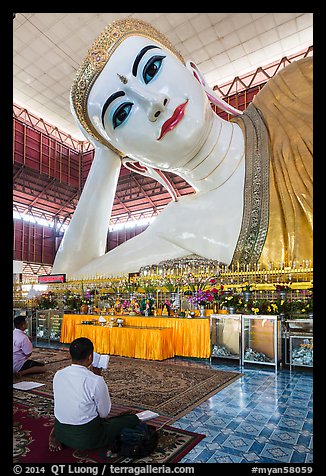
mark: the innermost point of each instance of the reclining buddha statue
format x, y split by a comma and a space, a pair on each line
142, 105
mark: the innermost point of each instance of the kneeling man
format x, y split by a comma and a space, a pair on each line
82, 404
22, 350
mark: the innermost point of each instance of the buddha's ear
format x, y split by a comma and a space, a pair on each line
156, 174
212, 96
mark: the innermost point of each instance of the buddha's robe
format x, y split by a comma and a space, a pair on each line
277, 222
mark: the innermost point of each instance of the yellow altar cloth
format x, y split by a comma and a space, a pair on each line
143, 343
189, 337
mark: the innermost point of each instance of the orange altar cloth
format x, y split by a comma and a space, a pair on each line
143, 343
189, 337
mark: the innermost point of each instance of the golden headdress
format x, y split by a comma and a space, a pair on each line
97, 57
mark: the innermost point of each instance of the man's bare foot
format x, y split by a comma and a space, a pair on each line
54, 444
110, 454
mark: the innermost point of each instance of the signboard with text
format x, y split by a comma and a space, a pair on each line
52, 278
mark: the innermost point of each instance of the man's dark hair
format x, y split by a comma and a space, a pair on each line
18, 321
80, 349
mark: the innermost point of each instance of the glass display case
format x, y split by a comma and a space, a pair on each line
301, 350
299, 326
299, 342
48, 326
261, 339
55, 325
225, 330
42, 326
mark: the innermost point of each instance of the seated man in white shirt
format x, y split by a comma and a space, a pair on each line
82, 404
22, 350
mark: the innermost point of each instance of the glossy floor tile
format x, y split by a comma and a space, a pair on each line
263, 417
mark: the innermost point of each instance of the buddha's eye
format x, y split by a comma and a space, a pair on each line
121, 114
152, 67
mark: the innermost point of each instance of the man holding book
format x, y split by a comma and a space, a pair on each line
82, 404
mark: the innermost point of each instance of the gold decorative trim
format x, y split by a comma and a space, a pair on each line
255, 219
98, 56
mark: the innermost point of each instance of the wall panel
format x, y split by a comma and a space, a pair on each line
33, 242
39, 152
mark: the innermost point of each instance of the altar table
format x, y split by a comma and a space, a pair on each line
189, 337
139, 342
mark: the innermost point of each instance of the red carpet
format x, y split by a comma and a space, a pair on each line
33, 421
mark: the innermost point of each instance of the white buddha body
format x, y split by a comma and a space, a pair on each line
147, 106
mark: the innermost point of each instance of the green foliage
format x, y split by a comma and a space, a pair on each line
46, 301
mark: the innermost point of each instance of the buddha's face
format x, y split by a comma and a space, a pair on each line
149, 106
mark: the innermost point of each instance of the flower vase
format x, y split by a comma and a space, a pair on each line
246, 295
215, 308
202, 310
231, 310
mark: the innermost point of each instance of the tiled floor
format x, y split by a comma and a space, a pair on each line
265, 416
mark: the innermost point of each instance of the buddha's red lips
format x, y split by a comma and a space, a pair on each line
173, 120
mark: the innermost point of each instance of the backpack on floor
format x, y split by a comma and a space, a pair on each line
136, 442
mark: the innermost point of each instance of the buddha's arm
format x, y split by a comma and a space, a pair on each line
85, 238
144, 249
189, 226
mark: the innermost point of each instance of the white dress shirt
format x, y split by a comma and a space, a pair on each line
79, 395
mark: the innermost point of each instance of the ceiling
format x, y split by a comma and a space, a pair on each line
49, 47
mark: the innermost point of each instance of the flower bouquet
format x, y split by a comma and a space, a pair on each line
233, 301
171, 283
247, 287
302, 307
72, 301
200, 298
46, 301
125, 306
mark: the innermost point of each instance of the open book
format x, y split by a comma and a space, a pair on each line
101, 361
27, 385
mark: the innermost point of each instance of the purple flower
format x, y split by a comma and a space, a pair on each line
200, 297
